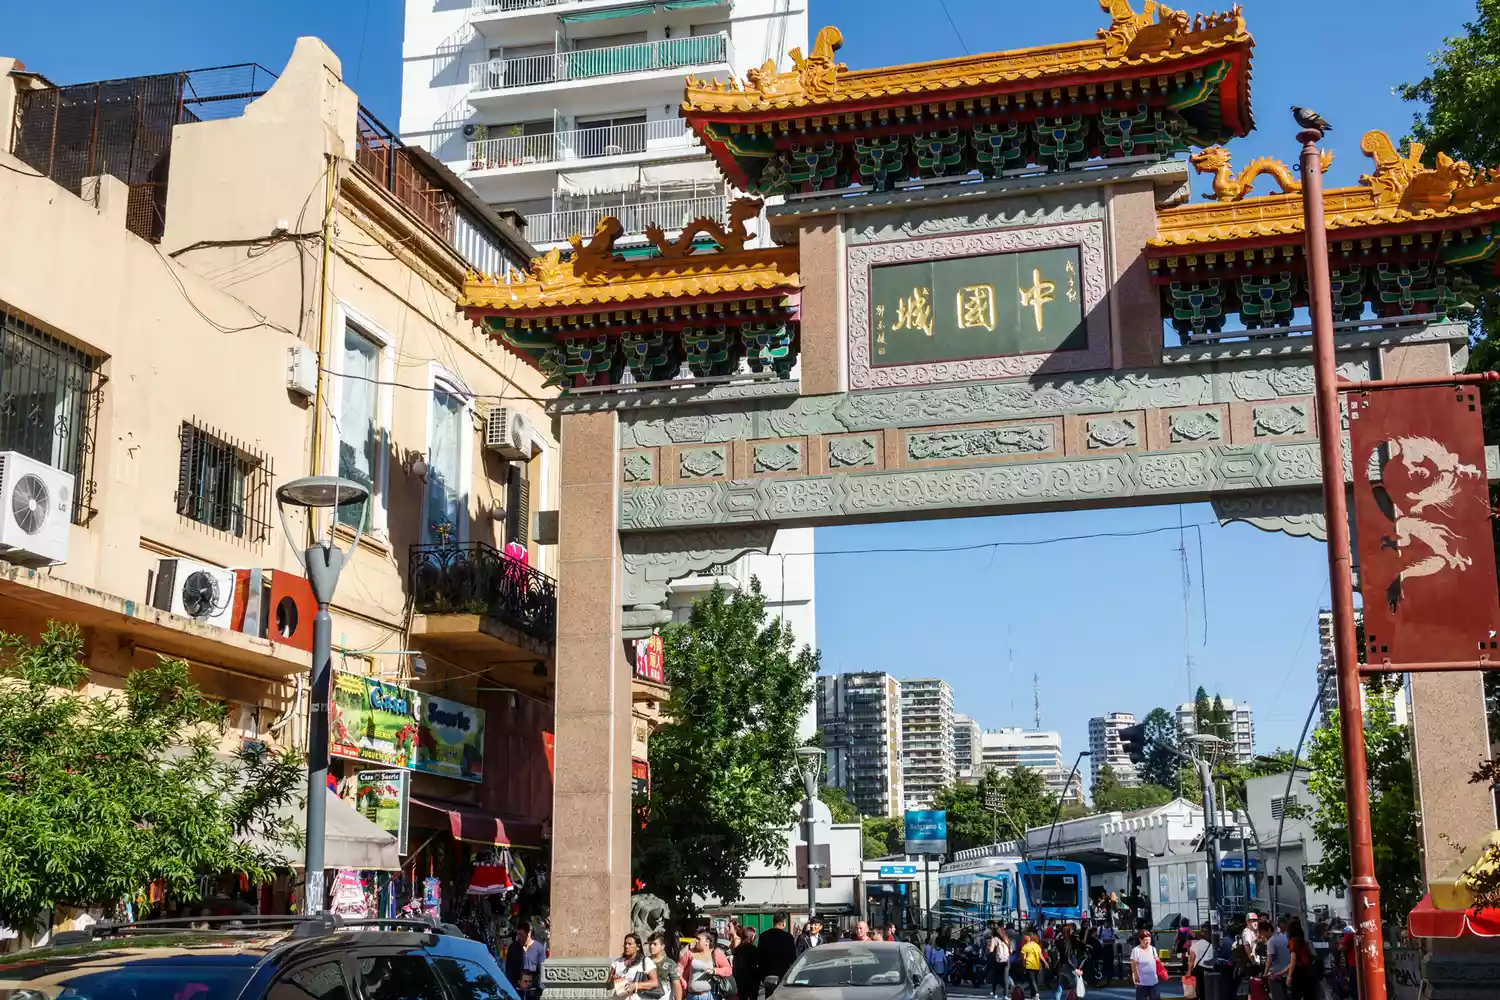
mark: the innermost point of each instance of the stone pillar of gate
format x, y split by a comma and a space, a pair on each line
591, 799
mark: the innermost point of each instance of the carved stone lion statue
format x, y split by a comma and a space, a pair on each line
648, 914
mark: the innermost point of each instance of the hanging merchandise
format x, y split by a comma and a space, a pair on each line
432, 895
349, 895
489, 880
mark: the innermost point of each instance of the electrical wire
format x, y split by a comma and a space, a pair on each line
954, 25
977, 546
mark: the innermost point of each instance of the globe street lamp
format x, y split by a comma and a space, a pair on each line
322, 561
810, 767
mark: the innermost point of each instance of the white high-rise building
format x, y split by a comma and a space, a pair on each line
968, 747
1006, 749
1241, 727
1328, 681
566, 111
860, 717
927, 764
1107, 749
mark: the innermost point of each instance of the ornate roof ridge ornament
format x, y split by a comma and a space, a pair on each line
1157, 28
1407, 182
1229, 186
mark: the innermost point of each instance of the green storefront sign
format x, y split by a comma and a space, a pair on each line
977, 307
372, 720
383, 798
451, 739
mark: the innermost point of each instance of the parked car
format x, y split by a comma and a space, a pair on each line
248, 958
861, 970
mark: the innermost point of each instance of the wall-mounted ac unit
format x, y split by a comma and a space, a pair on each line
508, 433
36, 506
194, 590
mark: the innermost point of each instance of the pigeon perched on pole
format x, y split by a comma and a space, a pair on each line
1308, 118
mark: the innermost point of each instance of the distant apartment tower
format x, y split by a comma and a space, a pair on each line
1328, 681
566, 111
1241, 727
968, 748
859, 715
927, 764
1107, 748
1006, 749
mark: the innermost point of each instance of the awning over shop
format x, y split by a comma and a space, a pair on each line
351, 841
477, 827
1428, 921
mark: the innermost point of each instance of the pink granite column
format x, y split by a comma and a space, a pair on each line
591, 826
824, 353
1134, 302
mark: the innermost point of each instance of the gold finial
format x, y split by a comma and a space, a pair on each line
816, 75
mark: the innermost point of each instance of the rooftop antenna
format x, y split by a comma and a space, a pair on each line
1036, 697
1187, 589
1010, 666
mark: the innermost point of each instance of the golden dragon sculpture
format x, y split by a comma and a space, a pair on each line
732, 237
1229, 186
816, 75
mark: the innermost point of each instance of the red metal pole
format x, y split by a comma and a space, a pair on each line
1364, 890
1471, 378
1455, 666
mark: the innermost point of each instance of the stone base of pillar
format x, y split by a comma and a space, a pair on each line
1466, 969
576, 978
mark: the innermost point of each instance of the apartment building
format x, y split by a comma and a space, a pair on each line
927, 763
1328, 681
1106, 749
968, 747
859, 715
1007, 749
1241, 727
194, 337
566, 111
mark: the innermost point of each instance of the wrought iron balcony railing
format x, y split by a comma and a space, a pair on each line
478, 579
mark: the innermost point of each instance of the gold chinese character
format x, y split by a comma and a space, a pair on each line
976, 307
1038, 296
915, 311
1072, 282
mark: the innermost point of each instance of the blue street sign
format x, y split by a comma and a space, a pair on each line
926, 831
1237, 864
897, 870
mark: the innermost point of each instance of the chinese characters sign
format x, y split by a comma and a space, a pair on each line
977, 307
650, 659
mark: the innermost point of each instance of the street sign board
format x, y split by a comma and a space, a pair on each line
926, 831
886, 870
821, 859
1237, 864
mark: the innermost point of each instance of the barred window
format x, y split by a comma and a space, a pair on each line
49, 403
223, 484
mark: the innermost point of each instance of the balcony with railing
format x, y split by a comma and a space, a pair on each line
498, 75
512, 152
473, 578
555, 227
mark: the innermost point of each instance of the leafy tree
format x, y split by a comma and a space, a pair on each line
1111, 796
1218, 721
1393, 809
837, 801
723, 764
1163, 739
101, 796
882, 836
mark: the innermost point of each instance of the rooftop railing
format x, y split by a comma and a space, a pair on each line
556, 227
578, 144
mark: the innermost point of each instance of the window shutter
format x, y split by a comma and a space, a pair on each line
185, 437
517, 506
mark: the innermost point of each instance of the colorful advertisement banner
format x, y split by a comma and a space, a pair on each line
384, 798
650, 660
640, 777
450, 740
1422, 509
371, 720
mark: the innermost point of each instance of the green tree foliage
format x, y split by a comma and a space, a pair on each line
837, 801
1163, 738
1393, 809
1111, 796
101, 796
883, 836
723, 764
1218, 721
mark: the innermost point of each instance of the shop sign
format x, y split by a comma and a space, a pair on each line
372, 720
640, 777
384, 798
651, 659
450, 740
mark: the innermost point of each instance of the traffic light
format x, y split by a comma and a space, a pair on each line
1134, 740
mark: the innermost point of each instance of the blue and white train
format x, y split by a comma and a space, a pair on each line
977, 890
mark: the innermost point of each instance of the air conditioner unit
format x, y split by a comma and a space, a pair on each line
194, 590
38, 507
508, 433
274, 604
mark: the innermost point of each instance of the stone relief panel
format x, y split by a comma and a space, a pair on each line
1281, 420
639, 467
703, 463
1195, 427
1112, 432
1296, 512
942, 220
651, 562
778, 456
854, 452
1088, 236
982, 442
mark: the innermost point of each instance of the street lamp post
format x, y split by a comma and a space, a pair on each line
322, 561
1206, 748
810, 767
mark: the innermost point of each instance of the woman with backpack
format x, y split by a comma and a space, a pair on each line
997, 962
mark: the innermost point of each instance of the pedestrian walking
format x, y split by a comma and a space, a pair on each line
777, 951
745, 958
1033, 960
1107, 937
669, 975
1278, 960
811, 936
1144, 968
997, 963
1302, 979
525, 954
1068, 961
632, 972
936, 953
704, 965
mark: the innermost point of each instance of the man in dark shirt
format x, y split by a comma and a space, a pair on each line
525, 954
777, 950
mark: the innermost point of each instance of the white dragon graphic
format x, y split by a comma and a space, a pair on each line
1419, 479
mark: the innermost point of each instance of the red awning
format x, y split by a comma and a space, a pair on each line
478, 827
1427, 921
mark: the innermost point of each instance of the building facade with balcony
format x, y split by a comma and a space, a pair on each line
271, 288
927, 763
1107, 748
1241, 727
566, 111
859, 715
1007, 749
968, 747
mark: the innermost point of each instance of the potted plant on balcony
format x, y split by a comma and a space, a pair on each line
480, 157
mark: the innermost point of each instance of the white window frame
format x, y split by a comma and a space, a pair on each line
346, 315
442, 377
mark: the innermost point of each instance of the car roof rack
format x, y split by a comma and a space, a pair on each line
302, 925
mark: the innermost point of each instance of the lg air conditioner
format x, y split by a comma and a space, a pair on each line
194, 590
37, 502
508, 434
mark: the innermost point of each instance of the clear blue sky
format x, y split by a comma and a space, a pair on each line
1100, 621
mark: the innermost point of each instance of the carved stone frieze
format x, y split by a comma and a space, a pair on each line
1087, 236
683, 427
940, 220
1296, 512
703, 463
1294, 377
640, 467
1111, 432
852, 452
652, 562
1280, 420
981, 442
780, 456
1195, 426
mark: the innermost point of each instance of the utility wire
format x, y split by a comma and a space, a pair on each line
954, 25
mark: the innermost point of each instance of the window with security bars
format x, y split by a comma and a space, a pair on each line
223, 484
49, 403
